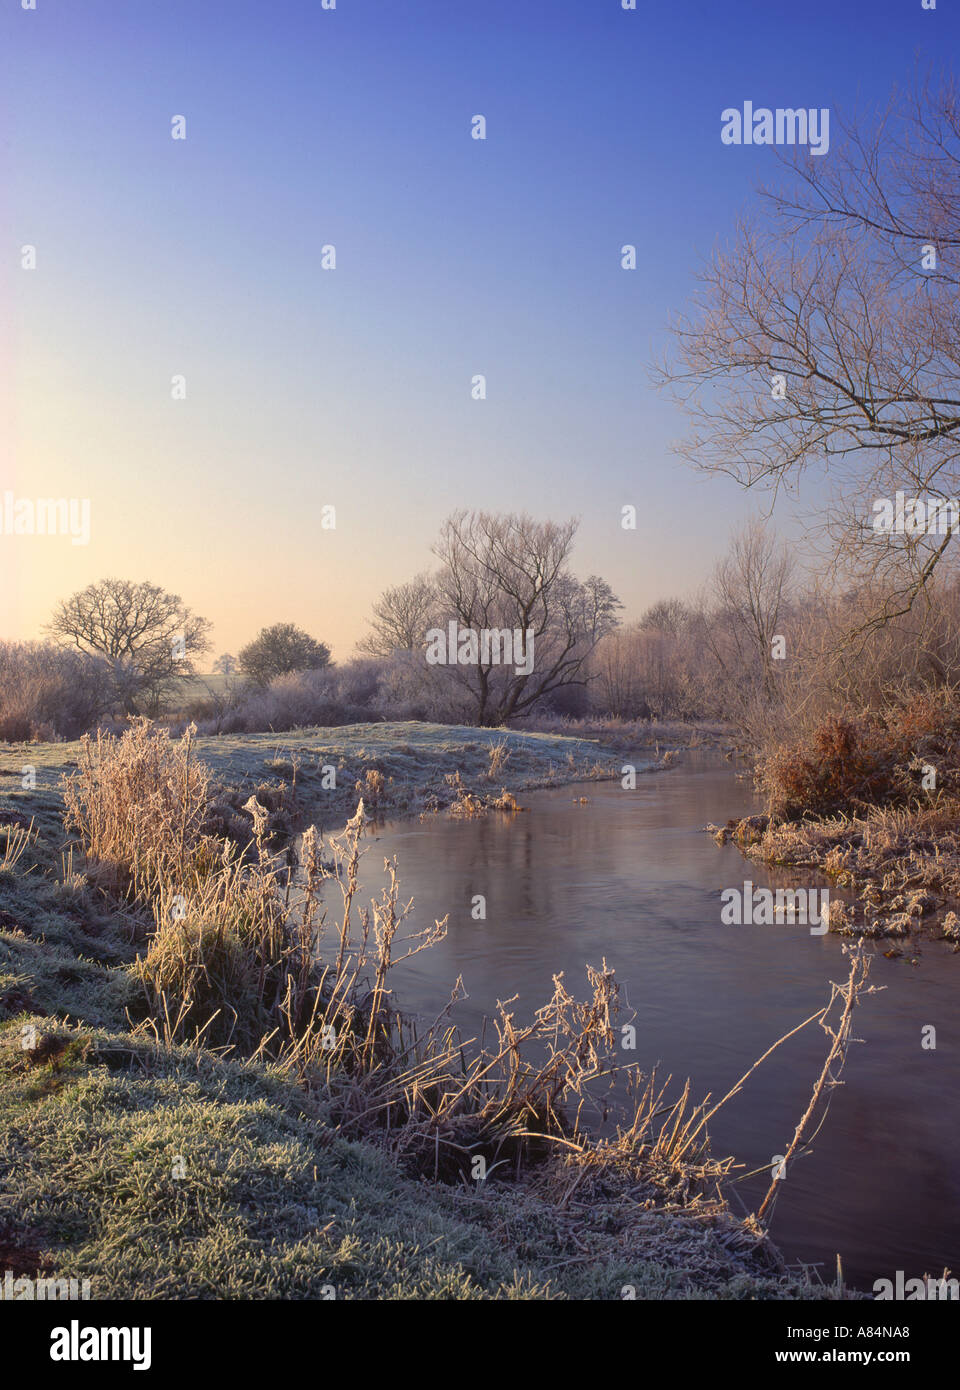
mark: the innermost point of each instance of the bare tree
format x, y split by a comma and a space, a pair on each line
150, 638
401, 617
668, 615
616, 666
506, 571
829, 335
752, 589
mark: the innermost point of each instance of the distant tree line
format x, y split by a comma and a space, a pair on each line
756, 648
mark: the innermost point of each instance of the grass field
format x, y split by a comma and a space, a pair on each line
413, 759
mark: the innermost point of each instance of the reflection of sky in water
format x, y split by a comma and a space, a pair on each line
631, 877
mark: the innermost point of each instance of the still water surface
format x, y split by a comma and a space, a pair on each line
631, 876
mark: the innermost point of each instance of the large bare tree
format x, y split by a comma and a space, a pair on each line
827, 336
507, 571
150, 638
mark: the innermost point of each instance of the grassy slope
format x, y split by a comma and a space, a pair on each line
272, 1202
414, 758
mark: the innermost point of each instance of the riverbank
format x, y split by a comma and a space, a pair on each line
870, 800
899, 868
159, 1170
400, 769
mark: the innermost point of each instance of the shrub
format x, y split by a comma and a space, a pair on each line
47, 693
280, 650
139, 803
220, 957
873, 757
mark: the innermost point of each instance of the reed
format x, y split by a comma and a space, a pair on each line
138, 803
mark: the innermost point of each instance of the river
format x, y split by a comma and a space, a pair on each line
630, 876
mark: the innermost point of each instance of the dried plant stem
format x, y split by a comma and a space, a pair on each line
836, 1055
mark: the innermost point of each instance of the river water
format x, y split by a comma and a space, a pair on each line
630, 876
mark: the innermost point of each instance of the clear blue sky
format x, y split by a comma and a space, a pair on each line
454, 257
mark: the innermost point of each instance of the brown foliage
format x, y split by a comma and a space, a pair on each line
874, 757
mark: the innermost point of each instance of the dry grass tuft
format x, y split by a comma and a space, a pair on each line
138, 803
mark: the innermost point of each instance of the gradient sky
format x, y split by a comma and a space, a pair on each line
454, 257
